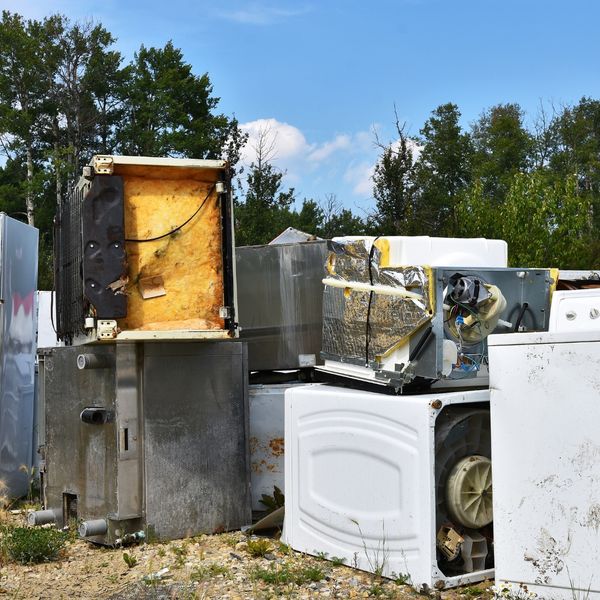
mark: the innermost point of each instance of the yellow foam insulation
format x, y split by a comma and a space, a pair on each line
188, 261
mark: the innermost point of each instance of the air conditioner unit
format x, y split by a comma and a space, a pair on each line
398, 486
390, 318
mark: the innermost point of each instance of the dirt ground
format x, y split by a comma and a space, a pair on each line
216, 566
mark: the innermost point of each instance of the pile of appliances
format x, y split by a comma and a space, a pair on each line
390, 467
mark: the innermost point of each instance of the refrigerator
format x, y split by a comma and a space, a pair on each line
18, 283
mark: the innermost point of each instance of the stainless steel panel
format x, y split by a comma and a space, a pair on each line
18, 322
197, 477
280, 300
80, 458
172, 456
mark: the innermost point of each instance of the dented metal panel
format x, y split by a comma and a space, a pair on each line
546, 449
149, 436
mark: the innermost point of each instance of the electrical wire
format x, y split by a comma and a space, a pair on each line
368, 324
179, 227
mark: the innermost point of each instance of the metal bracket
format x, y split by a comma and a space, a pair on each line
107, 329
103, 165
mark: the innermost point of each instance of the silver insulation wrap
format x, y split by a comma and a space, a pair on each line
391, 318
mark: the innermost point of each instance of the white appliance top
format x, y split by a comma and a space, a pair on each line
441, 252
575, 310
542, 337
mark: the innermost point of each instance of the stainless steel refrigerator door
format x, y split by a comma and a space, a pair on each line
18, 282
196, 457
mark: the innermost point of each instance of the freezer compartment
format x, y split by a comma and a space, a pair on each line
280, 303
144, 250
147, 437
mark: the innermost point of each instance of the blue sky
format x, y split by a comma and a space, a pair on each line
322, 75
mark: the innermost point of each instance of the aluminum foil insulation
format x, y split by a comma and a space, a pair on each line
360, 326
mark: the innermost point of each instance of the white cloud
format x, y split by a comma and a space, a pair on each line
284, 141
323, 151
343, 164
360, 176
258, 13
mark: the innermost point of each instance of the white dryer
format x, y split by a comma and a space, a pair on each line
395, 485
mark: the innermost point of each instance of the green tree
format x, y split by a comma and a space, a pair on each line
394, 188
26, 78
170, 111
442, 172
337, 220
546, 224
502, 147
266, 210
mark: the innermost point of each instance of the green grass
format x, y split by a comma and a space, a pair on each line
258, 548
29, 545
287, 574
207, 571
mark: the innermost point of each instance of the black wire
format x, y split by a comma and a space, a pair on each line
164, 235
368, 325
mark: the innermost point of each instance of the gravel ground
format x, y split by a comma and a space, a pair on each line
216, 566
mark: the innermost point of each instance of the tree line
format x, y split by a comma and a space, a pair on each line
67, 93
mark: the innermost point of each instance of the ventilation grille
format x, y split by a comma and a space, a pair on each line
68, 264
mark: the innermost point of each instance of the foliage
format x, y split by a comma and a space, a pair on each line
394, 188
204, 572
545, 224
286, 573
27, 545
277, 500
130, 560
442, 172
258, 547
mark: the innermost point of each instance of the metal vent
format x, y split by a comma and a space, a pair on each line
68, 264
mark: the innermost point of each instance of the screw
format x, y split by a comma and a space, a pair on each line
437, 404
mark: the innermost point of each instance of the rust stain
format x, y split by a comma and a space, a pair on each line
254, 444
276, 445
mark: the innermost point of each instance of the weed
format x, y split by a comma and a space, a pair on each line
33, 488
113, 578
287, 574
207, 571
321, 555
231, 540
378, 558
376, 590
401, 578
337, 561
472, 592
27, 545
130, 560
162, 552
180, 553
285, 549
311, 574
258, 547
277, 500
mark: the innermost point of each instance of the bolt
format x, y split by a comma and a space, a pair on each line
437, 404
